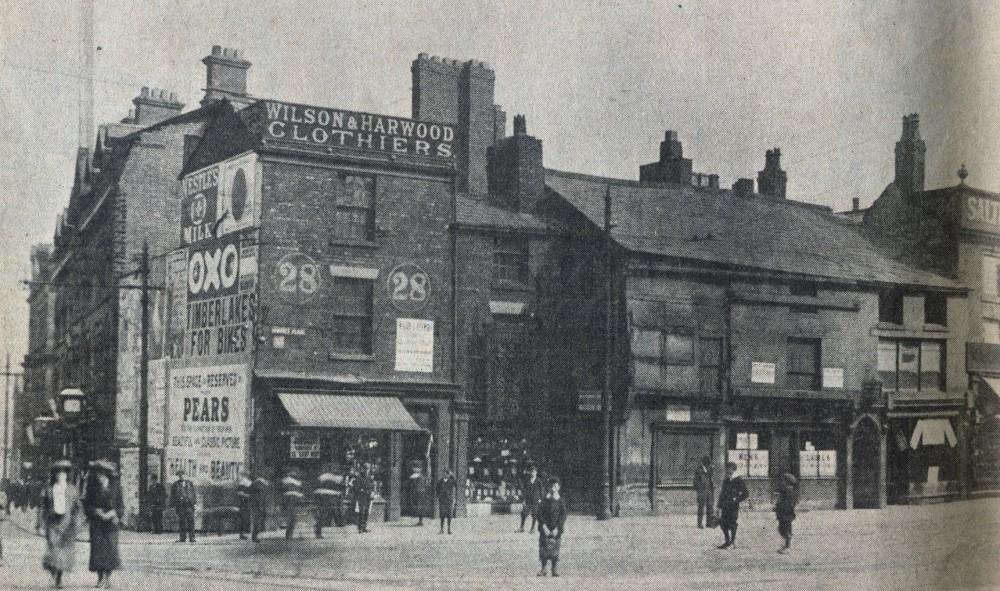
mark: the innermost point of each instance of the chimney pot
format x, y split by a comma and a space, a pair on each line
216, 50
520, 125
855, 204
144, 91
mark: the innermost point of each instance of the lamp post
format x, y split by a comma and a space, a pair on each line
71, 408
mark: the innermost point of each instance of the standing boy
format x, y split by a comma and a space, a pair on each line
183, 495
734, 491
705, 490
534, 490
447, 491
788, 497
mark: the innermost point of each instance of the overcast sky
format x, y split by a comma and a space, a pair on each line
826, 81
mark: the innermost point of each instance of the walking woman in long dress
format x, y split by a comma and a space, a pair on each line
105, 508
59, 514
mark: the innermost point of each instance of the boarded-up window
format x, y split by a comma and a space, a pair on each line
803, 364
710, 364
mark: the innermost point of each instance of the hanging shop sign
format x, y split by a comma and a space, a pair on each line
207, 421
332, 128
409, 287
303, 445
414, 345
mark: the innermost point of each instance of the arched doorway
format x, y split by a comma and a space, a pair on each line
866, 472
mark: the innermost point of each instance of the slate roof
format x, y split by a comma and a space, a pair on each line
472, 211
752, 232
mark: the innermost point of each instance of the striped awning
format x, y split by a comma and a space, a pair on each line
336, 411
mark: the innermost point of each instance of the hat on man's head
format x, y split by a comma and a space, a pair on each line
181, 472
61, 466
731, 466
789, 479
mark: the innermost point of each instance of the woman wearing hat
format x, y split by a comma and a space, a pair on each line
105, 508
788, 497
59, 514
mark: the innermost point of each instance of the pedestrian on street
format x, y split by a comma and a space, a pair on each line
258, 506
244, 505
156, 496
364, 486
551, 525
291, 495
326, 497
105, 508
705, 490
532, 492
59, 513
184, 497
788, 497
734, 491
418, 492
447, 493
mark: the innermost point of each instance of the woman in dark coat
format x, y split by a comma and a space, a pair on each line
104, 509
734, 491
418, 492
551, 524
59, 514
788, 497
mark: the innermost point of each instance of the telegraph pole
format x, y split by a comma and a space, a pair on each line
6, 417
604, 511
143, 383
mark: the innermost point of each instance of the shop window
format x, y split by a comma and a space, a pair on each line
803, 364
890, 306
936, 309
678, 455
355, 207
817, 455
911, 364
350, 327
804, 289
662, 347
710, 364
510, 260
749, 451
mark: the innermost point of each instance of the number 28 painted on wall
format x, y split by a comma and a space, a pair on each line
409, 287
297, 277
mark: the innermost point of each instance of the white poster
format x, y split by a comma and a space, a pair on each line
833, 377
681, 414
414, 345
762, 373
207, 429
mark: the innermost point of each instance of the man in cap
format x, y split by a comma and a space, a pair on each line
532, 493
156, 496
704, 490
326, 496
183, 496
364, 486
784, 509
734, 491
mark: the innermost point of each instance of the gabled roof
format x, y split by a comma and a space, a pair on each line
476, 212
720, 227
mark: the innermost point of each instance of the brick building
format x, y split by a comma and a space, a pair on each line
953, 231
88, 296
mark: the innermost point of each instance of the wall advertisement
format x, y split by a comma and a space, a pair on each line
212, 283
207, 422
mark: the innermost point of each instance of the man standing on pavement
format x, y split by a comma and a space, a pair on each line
363, 488
705, 490
156, 496
447, 491
258, 506
183, 496
734, 491
533, 491
243, 503
326, 496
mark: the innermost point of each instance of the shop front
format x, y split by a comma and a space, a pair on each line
983, 365
346, 432
925, 454
499, 456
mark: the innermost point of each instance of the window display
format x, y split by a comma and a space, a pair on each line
497, 465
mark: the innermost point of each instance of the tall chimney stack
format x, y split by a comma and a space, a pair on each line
672, 167
910, 150
772, 181
154, 105
226, 71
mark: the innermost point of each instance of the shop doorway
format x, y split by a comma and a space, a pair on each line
866, 464
419, 455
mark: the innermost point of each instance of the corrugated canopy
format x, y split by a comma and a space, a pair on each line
338, 411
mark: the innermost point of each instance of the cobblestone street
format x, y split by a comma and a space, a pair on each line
951, 546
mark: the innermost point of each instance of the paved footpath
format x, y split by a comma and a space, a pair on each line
948, 546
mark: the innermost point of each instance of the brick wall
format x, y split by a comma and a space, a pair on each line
411, 219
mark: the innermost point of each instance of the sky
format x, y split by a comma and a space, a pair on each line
599, 82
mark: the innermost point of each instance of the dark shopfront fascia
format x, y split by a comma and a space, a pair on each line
310, 427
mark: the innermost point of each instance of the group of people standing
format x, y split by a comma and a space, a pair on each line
732, 494
60, 513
